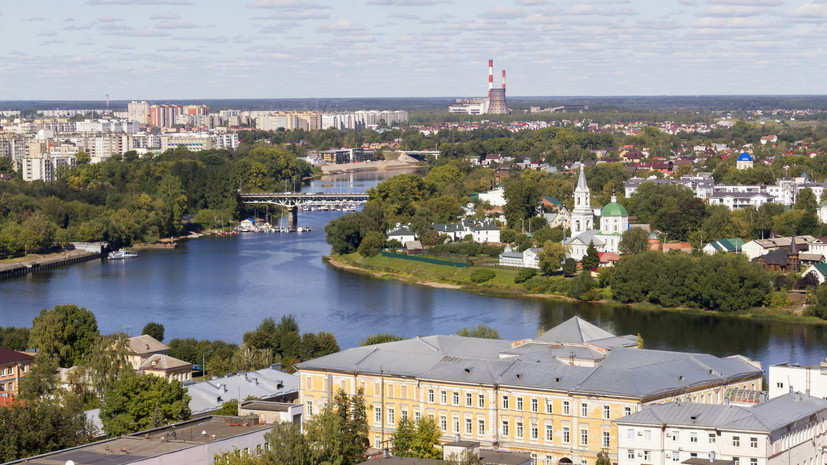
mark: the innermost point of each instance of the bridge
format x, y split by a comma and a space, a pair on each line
293, 200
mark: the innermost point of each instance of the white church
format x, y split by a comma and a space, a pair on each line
613, 221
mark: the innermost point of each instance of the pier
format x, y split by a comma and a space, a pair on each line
15, 270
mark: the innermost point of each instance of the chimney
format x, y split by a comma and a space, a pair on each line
503, 79
490, 77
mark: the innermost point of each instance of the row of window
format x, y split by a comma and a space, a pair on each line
9, 387
693, 437
519, 405
9, 371
676, 456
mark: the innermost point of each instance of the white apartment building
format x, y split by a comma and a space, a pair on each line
786, 377
787, 430
226, 141
44, 167
138, 111
194, 142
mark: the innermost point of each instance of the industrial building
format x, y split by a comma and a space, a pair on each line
494, 104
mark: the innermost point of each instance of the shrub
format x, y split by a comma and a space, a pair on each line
482, 275
777, 299
524, 275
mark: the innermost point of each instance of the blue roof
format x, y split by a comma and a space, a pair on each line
251, 220
745, 157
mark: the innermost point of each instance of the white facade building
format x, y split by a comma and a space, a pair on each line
496, 196
614, 220
788, 430
44, 167
785, 377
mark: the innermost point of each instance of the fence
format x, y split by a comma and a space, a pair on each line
418, 258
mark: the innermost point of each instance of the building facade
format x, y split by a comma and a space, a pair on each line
554, 396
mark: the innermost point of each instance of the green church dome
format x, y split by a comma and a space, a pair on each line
613, 209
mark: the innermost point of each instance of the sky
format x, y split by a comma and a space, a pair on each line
191, 49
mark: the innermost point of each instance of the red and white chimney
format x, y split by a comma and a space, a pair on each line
503, 79
490, 77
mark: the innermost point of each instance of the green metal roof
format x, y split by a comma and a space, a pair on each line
613, 209
553, 201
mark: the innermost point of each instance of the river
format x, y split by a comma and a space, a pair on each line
219, 288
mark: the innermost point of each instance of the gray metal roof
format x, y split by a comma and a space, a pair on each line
264, 384
766, 417
574, 330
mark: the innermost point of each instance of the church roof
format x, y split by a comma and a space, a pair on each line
581, 181
613, 209
744, 157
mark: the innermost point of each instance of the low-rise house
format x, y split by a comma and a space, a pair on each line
779, 260
608, 259
732, 245
272, 412
758, 247
481, 231
401, 233
14, 366
786, 430
560, 218
147, 355
496, 196
413, 248
819, 270
807, 259
528, 258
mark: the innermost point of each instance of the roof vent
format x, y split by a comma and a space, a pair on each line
467, 370
557, 380
518, 376
680, 377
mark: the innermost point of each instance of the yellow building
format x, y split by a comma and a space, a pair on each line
147, 355
554, 396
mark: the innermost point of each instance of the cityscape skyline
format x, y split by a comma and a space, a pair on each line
182, 49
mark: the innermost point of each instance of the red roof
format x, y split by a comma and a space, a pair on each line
11, 356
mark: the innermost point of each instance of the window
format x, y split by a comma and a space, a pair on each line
606, 439
309, 404
736, 441
753, 442
481, 401
584, 437
584, 409
584, 462
377, 442
549, 433
779, 385
627, 410
630, 454
566, 435
391, 416
443, 423
455, 398
535, 433
456, 424
469, 399
630, 434
565, 407
535, 406
481, 427
430, 395
675, 435
443, 397
712, 438
519, 429
549, 460
469, 426
549, 406
607, 412
11, 371
417, 416
676, 456
693, 437
736, 460
647, 434
753, 461
505, 428
646, 455
377, 415
505, 402
519, 403
404, 414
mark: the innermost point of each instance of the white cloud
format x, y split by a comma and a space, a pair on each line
47, 33
120, 47
342, 26
531, 2
35, 19
176, 24
810, 11
285, 4
728, 11
139, 2
504, 12
748, 2
108, 19
408, 2
167, 15
80, 27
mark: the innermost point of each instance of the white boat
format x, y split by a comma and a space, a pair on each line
122, 254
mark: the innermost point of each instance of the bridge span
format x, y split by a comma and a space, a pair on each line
293, 200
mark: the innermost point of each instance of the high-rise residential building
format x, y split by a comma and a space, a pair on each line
138, 111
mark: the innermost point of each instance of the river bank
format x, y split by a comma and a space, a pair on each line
503, 286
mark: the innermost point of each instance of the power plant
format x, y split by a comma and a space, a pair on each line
494, 104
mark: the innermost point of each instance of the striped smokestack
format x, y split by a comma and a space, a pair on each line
490, 77
503, 79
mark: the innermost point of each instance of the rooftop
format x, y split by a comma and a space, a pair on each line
11, 356
146, 344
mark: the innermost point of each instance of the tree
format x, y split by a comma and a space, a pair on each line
581, 285
818, 303
603, 458
569, 266
344, 233
806, 200
139, 402
34, 428
591, 259
480, 331
521, 198
155, 330
524, 275
552, 256
372, 242
380, 338
339, 433
634, 240
229, 408
288, 446
68, 332
482, 275
467, 458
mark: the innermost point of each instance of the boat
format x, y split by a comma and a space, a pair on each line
122, 254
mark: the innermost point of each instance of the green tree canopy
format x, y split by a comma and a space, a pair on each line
139, 402
68, 332
591, 260
480, 331
155, 330
35, 428
634, 240
380, 338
